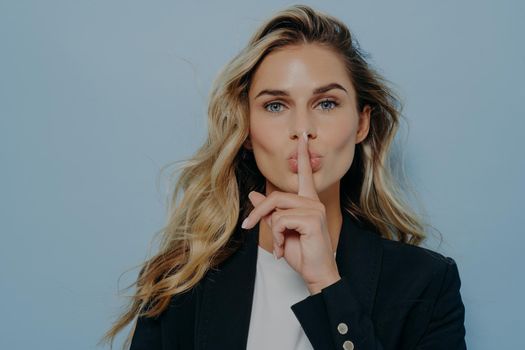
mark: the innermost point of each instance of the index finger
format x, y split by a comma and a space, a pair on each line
304, 170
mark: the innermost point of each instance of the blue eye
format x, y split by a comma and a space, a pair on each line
274, 104
335, 104
325, 103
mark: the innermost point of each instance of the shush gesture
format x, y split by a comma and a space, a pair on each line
299, 226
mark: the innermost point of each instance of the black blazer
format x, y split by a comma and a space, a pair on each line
391, 295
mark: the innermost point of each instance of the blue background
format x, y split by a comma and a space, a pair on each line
97, 96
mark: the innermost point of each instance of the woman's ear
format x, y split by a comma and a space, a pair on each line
247, 143
364, 124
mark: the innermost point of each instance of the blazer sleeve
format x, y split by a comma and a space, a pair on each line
147, 334
334, 318
446, 329
348, 326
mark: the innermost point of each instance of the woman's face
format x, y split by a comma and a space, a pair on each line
284, 102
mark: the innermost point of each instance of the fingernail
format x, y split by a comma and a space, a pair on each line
244, 223
274, 254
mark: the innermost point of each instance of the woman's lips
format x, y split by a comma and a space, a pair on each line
315, 163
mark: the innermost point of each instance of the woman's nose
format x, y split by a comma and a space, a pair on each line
303, 121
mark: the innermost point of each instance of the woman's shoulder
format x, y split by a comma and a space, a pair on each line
398, 255
419, 267
401, 255
418, 285
414, 256
413, 253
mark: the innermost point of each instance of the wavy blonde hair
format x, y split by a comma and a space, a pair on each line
200, 231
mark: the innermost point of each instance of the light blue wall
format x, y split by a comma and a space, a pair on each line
96, 96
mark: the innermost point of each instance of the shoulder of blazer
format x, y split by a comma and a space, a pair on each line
414, 259
412, 273
402, 259
420, 289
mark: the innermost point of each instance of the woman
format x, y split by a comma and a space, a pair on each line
296, 164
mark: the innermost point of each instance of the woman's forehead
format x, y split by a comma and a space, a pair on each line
300, 69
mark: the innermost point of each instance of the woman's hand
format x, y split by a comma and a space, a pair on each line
299, 227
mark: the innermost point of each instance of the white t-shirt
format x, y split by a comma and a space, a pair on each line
273, 325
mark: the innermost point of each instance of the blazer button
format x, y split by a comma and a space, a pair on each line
342, 328
348, 345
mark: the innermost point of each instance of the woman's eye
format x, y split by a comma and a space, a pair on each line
328, 103
275, 107
273, 104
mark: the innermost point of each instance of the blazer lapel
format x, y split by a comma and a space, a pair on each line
359, 255
225, 310
224, 316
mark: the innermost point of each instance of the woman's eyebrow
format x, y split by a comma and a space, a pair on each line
316, 91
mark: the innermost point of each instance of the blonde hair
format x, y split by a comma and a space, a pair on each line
215, 182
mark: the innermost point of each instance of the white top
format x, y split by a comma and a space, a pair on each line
273, 325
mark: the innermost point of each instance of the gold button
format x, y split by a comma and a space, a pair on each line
342, 328
348, 345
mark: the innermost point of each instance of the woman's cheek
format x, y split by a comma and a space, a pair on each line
344, 146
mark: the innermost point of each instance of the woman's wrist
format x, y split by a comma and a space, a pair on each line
317, 287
